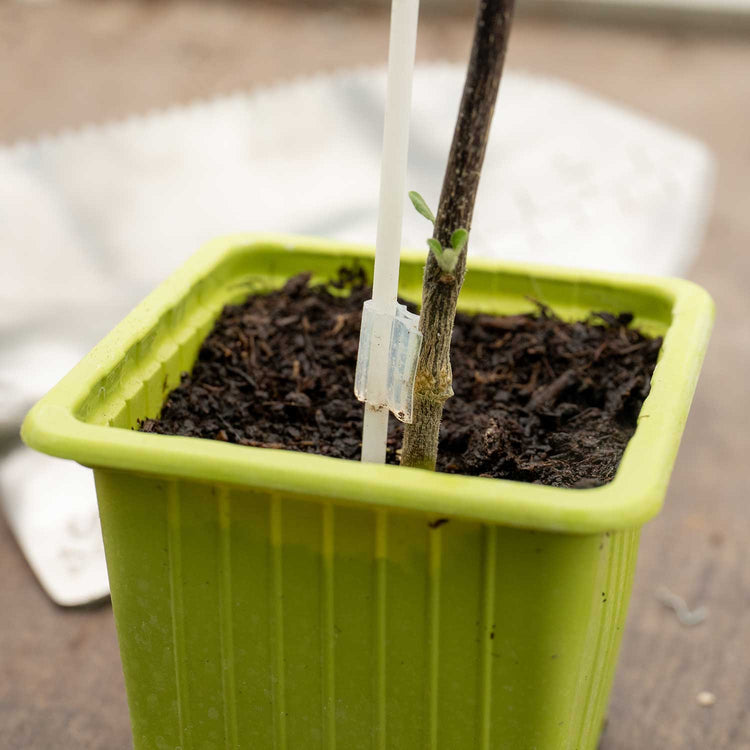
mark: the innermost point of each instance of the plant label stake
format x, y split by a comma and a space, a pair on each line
389, 340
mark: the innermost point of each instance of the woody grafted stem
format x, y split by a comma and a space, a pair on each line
440, 289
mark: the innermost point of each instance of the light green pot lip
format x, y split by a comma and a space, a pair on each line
633, 497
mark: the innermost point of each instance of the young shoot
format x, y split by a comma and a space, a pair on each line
446, 257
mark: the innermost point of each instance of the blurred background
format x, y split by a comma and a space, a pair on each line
676, 73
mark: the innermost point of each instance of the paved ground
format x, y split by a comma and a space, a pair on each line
69, 62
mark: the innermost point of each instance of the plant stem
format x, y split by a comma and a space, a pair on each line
433, 385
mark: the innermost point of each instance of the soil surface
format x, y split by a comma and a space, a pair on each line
536, 399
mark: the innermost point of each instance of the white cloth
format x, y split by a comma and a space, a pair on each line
91, 220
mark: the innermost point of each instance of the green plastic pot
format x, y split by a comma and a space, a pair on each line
269, 599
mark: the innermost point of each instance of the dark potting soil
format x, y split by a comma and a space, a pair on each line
536, 399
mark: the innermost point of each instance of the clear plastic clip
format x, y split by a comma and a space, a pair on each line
399, 337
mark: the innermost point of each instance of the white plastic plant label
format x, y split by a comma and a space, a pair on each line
51, 507
405, 343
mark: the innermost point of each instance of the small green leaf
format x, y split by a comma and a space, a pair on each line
446, 257
459, 238
450, 258
436, 248
421, 205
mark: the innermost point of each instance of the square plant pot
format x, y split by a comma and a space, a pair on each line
270, 599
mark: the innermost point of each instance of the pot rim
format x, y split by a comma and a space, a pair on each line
634, 496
